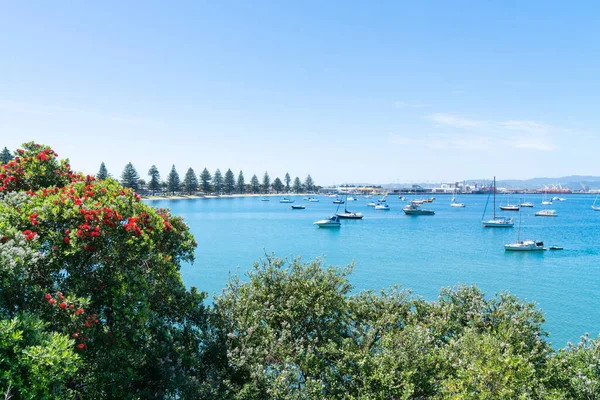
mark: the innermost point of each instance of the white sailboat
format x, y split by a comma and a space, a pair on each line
545, 201
496, 222
594, 206
524, 245
453, 202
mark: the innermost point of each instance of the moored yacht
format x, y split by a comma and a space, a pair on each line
331, 222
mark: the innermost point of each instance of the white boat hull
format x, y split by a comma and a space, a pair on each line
498, 223
546, 213
526, 245
457, 205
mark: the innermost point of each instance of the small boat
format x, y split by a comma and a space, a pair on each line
526, 204
351, 198
402, 198
382, 206
545, 201
264, 199
367, 196
561, 199
525, 245
555, 248
556, 198
286, 200
382, 200
313, 200
429, 200
417, 202
458, 205
331, 222
348, 214
373, 204
594, 206
546, 213
510, 207
495, 222
415, 209
298, 207
338, 201
333, 195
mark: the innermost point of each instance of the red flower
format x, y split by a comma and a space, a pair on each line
81, 346
67, 239
79, 311
63, 305
52, 302
48, 296
75, 335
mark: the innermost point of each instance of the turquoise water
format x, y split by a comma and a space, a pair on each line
420, 253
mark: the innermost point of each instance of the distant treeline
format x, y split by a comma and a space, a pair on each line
206, 182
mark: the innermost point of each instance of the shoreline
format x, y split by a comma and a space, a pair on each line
223, 196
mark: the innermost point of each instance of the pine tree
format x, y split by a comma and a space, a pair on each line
266, 182
229, 182
240, 186
130, 177
278, 185
309, 184
173, 181
218, 181
102, 172
205, 179
190, 182
297, 185
254, 184
154, 179
5, 156
288, 179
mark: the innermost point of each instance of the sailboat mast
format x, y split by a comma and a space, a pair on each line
494, 197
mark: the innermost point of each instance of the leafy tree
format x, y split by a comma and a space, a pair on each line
218, 181
266, 182
205, 179
173, 181
288, 180
229, 182
190, 182
154, 175
102, 172
5, 156
130, 177
97, 265
254, 184
278, 185
297, 185
309, 184
240, 185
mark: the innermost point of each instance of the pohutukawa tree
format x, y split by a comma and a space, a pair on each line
100, 269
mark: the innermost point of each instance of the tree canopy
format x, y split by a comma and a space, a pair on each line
240, 185
130, 177
205, 179
254, 184
173, 181
266, 182
102, 172
190, 182
154, 175
229, 182
217, 181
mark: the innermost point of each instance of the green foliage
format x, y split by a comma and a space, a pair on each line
173, 181
190, 182
5, 156
254, 185
34, 363
217, 181
287, 180
297, 185
278, 185
102, 172
130, 177
205, 179
240, 185
154, 175
229, 182
266, 183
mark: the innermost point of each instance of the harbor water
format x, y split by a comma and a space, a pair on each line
420, 253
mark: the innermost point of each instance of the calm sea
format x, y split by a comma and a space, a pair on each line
421, 253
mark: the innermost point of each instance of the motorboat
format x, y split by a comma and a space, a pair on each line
298, 207
546, 202
331, 222
402, 198
338, 201
373, 204
510, 207
351, 198
417, 202
415, 209
264, 199
556, 248
546, 213
457, 205
313, 200
333, 195
526, 204
382, 200
382, 206
496, 221
286, 200
525, 245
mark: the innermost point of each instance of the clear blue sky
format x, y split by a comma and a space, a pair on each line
376, 92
